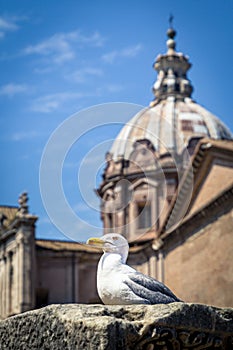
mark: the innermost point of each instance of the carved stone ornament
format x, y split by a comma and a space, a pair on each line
23, 203
163, 338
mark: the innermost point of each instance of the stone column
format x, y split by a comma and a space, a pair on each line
19, 277
26, 261
16, 278
8, 289
21, 273
13, 277
155, 208
160, 266
153, 262
5, 286
76, 272
132, 220
2, 285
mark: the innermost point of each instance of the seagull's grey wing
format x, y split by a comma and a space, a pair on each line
150, 289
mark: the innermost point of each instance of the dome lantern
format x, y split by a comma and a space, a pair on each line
172, 68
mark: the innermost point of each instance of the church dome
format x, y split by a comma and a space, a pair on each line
170, 126
173, 119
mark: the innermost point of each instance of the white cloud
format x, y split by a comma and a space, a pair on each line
114, 88
52, 102
82, 75
57, 46
109, 89
7, 25
25, 135
93, 40
60, 47
110, 56
131, 51
13, 89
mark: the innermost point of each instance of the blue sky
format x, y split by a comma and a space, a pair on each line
60, 57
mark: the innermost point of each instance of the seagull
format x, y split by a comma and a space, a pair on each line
120, 284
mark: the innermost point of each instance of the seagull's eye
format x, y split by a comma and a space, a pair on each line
115, 238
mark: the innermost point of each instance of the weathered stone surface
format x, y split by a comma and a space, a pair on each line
73, 326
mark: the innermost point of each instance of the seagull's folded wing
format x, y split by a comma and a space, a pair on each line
149, 289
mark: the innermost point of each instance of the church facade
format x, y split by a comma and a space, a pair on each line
167, 187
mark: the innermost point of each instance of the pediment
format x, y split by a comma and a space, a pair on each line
213, 177
206, 179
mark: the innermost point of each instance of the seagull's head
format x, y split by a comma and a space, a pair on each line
111, 243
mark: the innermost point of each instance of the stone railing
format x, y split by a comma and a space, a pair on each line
175, 326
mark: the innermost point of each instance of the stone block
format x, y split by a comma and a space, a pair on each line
77, 326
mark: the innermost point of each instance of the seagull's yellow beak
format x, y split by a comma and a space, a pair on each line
96, 242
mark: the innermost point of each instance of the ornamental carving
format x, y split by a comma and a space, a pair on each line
163, 338
23, 204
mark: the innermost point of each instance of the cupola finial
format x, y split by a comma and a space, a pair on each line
172, 68
171, 33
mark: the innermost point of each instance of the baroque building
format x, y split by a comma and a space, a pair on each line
150, 155
167, 187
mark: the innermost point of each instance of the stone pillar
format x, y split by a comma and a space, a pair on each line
19, 279
25, 238
1, 271
2, 285
16, 278
132, 220
7, 281
152, 262
76, 272
160, 267
27, 271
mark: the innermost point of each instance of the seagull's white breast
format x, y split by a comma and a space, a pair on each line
111, 275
